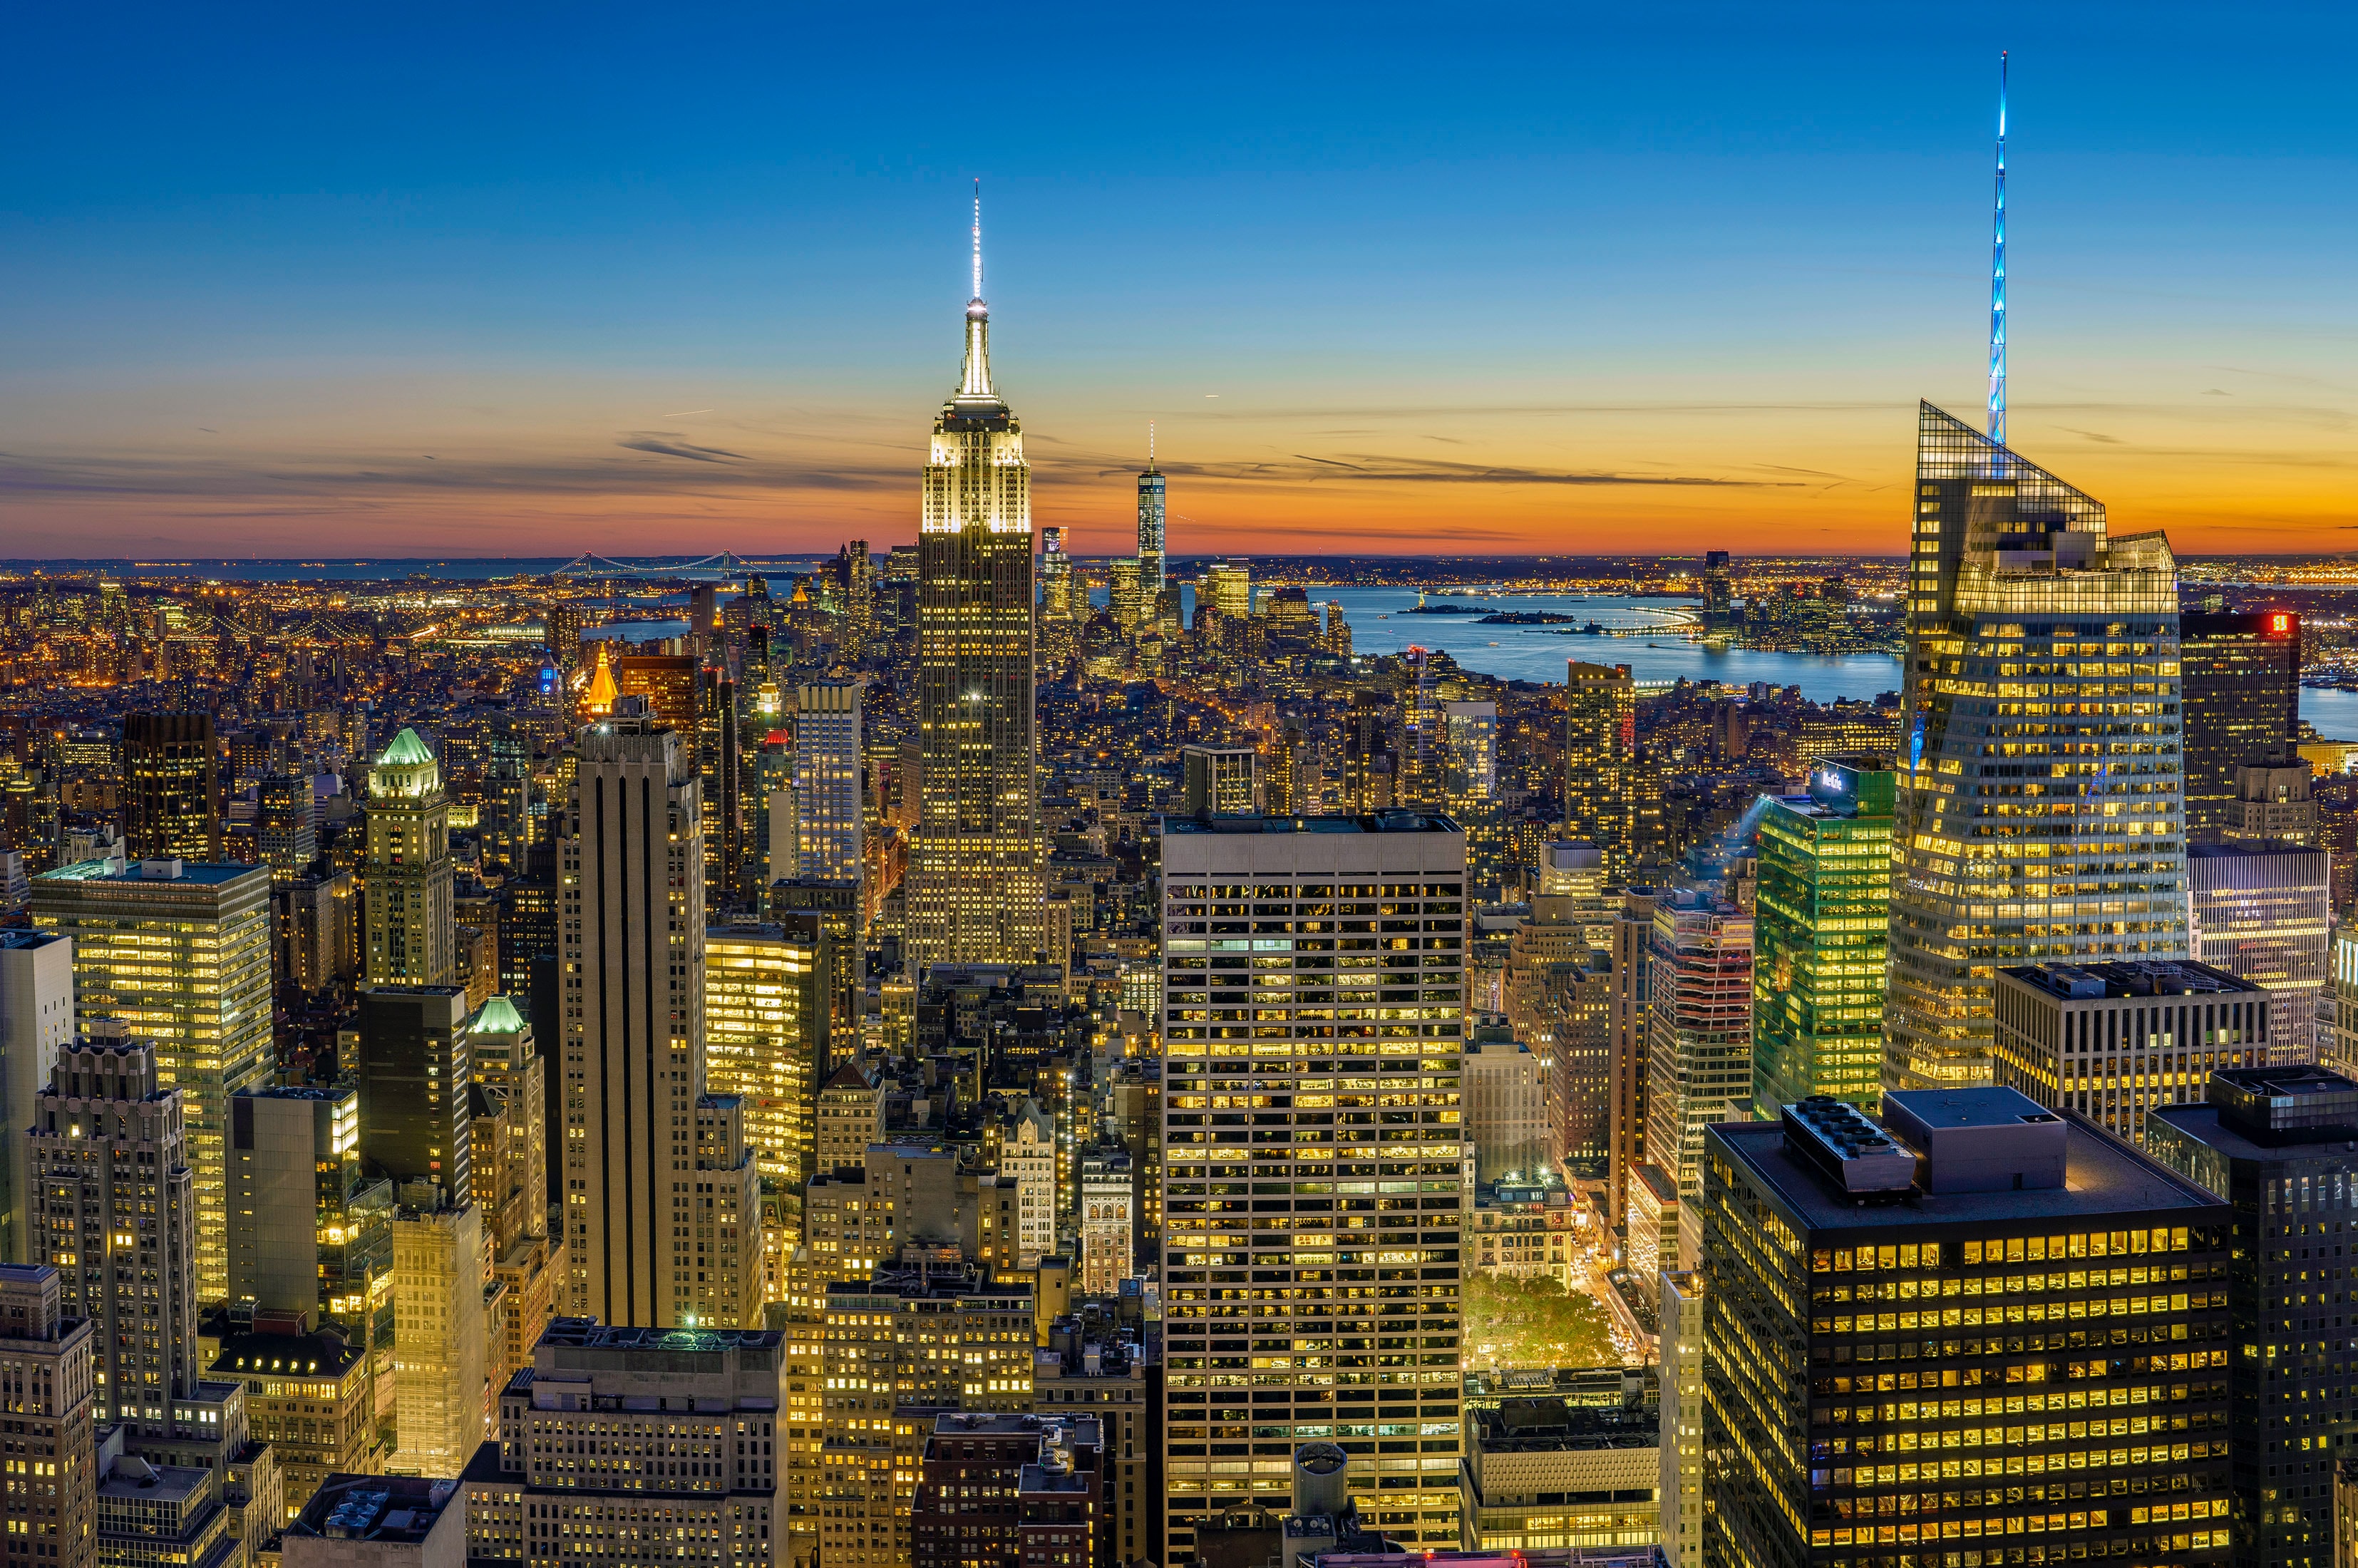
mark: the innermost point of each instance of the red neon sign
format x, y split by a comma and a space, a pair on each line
2279, 623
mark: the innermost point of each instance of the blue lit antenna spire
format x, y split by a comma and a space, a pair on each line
1998, 277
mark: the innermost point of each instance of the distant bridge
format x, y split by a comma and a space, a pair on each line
726, 564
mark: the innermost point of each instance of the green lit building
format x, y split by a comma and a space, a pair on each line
1820, 937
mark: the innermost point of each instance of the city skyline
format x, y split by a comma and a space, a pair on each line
1687, 305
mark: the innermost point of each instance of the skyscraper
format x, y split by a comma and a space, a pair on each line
765, 1002
37, 1020
975, 875
286, 825
2039, 815
2263, 911
2103, 1297
635, 1190
181, 955
2241, 676
2113, 1041
1056, 576
172, 788
1699, 1035
308, 1231
50, 1354
1150, 528
2276, 1144
1221, 781
411, 928
827, 781
118, 1217
1821, 917
413, 1078
1352, 1307
1600, 742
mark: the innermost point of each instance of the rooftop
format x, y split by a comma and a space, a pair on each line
403, 1510
2102, 1178
2091, 982
1373, 822
152, 873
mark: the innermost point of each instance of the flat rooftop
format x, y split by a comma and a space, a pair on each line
2115, 982
2102, 1176
1372, 822
197, 873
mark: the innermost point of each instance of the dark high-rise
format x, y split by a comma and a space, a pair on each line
171, 787
1977, 1332
2277, 1143
2241, 676
414, 1075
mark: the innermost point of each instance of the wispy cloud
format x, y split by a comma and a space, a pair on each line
671, 444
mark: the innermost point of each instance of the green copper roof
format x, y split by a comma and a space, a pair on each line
497, 1016
406, 750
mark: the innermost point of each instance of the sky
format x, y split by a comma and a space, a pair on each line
532, 280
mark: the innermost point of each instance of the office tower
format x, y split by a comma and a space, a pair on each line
827, 781
1151, 512
440, 1350
171, 787
48, 1358
703, 609
408, 875
1227, 587
667, 683
1822, 915
2242, 685
1679, 1493
1576, 1003
1506, 1107
2013, 572
117, 1214
632, 956
1286, 790
1719, 591
507, 1121
974, 885
314, 943
2113, 1041
2274, 1143
37, 1020
1600, 746
1107, 1228
825, 911
1633, 956
702, 1465
2273, 802
1221, 781
2105, 1298
286, 825
310, 1233
180, 953
977, 1474
720, 768
1126, 598
563, 624
635, 1189
927, 1342
1699, 1034
765, 1038
1469, 754
414, 1082
858, 569
1338, 632
315, 1405
2264, 911
1056, 576
1357, 1020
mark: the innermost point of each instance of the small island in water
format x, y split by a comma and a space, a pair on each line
1447, 610
1526, 618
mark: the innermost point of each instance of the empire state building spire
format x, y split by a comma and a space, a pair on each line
974, 381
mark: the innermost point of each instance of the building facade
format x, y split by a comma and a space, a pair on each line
1823, 916
47, 1358
975, 878
180, 953
2038, 816
1699, 1037
2264, 910
828, 840
1344, 1304
2116, 1042
1600, 755
410, 930
2107, 1291
172, 788
2242, 679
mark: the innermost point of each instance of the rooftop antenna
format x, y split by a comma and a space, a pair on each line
977, 218
1150, 446
1998, 277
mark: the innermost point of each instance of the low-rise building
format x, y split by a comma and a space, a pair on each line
2115, 1041
1526, 1233
152, 1515
307, 1396
1547, 1473
379, 1522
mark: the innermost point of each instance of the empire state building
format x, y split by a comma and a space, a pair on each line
976, 887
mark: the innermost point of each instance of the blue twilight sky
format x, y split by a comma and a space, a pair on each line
506, 278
